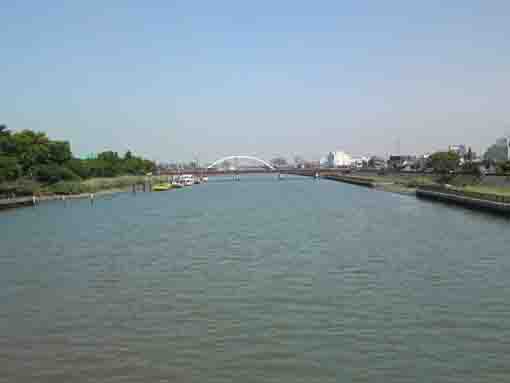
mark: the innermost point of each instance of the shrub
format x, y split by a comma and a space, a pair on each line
79, 167
10, 169
54, 173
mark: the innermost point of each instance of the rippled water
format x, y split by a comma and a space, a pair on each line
258, 280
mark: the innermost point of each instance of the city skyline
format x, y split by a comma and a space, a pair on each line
175, 81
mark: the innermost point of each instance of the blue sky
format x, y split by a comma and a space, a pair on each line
175, 80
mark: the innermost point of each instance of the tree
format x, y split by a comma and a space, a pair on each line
5, 140
444, 162
496, 153
469, 155
10, 169
504, 168
79, 167
30, 148
33, 154
60, 151
471, 168
108, 156
53, 173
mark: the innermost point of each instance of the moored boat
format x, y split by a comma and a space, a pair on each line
162, 187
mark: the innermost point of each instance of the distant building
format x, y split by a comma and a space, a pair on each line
339, 159
459, 149
399, 162
377, 162
311, 164
359, 162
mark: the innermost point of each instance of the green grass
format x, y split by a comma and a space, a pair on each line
406, 181
95, 185
483, 189
28, 187
21, 187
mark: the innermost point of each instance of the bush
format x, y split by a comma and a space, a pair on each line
79, 167
10, 169
54, 173
21, 187
69, 187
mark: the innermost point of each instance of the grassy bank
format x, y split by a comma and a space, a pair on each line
93, 185
463, 183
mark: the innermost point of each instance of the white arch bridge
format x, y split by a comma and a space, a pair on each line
250, 158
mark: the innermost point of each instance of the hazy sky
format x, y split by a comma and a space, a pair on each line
177, 79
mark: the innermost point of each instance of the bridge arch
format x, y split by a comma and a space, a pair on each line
265, 163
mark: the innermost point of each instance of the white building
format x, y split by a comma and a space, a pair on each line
339, 159
459, 149
359, 162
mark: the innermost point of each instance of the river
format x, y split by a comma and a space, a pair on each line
254, 281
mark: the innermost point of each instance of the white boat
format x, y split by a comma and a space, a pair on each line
186, 179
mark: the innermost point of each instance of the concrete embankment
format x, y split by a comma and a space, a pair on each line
478, 201
29, 201
473, 200
360, 181
15, 202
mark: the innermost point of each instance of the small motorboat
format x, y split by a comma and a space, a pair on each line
162, 187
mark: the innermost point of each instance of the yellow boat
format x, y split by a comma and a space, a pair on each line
162, 187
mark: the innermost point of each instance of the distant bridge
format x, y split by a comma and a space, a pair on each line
251, 158
309, 172
268, 168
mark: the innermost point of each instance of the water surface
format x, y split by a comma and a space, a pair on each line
257, 280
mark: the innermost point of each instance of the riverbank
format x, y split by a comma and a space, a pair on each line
12, 203
385, 183
22, 193
472, 200
473, 196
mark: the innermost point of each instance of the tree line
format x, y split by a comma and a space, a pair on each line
32, 155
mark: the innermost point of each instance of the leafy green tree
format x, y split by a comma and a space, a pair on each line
60, 151
471, 168
6, 142
504, 167
496, 153
108, 156
444, 162
32, 154
79, 167
10, 169
53, 173
31, 148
